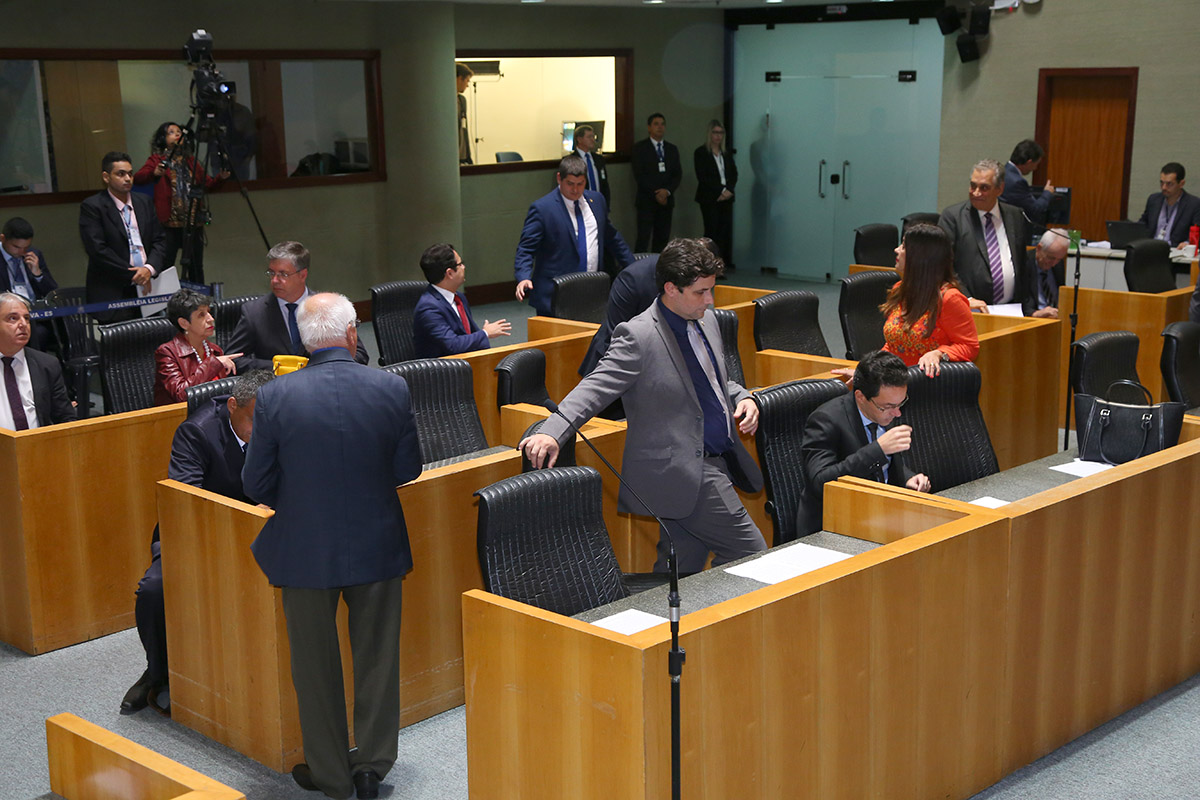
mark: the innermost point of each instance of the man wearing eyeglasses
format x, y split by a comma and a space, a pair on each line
268, 325
856, 434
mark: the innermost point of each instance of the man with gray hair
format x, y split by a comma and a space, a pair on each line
331, 443
34, 392
566, 231
268, 325
1045, 270
989, 240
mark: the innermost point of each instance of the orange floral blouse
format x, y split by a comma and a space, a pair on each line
954, 335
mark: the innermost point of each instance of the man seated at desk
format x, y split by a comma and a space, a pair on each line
442, 321
34, 392
1171, 213
208, 451
1046, 270
850, 435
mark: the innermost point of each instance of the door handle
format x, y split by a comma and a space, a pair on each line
821, 179
845, 179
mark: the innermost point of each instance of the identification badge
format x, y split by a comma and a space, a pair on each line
662, 167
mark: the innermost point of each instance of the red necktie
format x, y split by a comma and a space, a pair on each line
462, 314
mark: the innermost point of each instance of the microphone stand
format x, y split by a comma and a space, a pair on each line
676, 656
1071, 345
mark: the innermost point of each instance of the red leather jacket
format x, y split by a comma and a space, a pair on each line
178, 366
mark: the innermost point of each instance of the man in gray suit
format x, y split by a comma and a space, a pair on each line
682, 451
989, 240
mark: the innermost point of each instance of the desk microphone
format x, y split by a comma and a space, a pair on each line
676, 655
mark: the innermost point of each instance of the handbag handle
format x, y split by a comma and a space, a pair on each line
1147, 417
1134, 384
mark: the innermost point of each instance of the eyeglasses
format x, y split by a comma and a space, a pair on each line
272, 274
890, 406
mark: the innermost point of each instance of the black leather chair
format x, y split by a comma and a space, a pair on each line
76, 339
727, 322
875, 244
917, 217
505, 156
950, 439
1180, 362
566, 450
443, 403
783, 413
200, 394
788, 321
1103, 358
858, 308
521, 378
581, 296
1148, 266
392, 307
127, 362
640, 256
565, 563
227, 312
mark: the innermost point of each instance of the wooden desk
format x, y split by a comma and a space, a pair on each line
78, 502
740, 300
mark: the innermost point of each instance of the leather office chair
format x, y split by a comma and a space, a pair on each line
783, 413
566, 450
77, 347
392, 309
505, 156
521, 378
227, 313
640, 256
201, 394
788, 321
1103, 358
1180, 362
727, 322
926, 217
951, 444
875, 244
127, 362
858, 308
565, 563
443, 403
1148, 266
581, 296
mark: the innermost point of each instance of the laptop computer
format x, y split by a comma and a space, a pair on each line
1122, 232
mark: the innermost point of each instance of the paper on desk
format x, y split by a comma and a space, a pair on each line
1100, 245
165, 282
989, 502
787, 563
1006, 310
630, 622
1081, 469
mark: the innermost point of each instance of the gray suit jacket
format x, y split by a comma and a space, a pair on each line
970, 251
664, 448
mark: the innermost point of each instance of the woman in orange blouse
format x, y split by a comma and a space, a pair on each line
928, 319
188, 359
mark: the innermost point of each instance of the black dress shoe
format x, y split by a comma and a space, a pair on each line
302, 775
366, 784
138, 695
160, 699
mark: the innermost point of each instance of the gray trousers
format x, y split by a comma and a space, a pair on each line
719, 523
317, 675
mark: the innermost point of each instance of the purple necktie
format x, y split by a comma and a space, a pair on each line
993, 248
20, 421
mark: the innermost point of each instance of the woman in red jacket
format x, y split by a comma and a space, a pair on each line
928, 319
189, 359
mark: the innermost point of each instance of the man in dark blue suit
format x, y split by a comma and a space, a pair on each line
442, 322
25, 273
331, 443
633, 291
1171, 213
566, 231
657, 172
208, 452
1027, 157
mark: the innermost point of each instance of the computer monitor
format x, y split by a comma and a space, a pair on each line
568, 140
1122, 232
1059, 210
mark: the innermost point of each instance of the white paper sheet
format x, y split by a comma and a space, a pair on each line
165, 282
1006, 310
989, 502
787, 563
630, 622
1081, 469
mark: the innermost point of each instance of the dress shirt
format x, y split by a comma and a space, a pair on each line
135, 233
283, 306
1006, 259
720, 159
25, 387
447, 295
1166, 221
591, 230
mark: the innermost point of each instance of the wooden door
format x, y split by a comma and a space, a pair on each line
1085, 122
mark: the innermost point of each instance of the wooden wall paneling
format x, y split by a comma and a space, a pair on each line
84, 103
16, 621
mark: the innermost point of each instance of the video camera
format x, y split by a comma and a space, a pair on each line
211, 93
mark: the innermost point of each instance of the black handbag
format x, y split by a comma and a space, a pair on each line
1114, 433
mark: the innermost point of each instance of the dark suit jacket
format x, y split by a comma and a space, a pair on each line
708, 177
547, 246
633, 291
107, 244
835, 444
438, 331
205, 452
644, 160
331, 443
49, 391
1030, 302
601, 174
971, 263
1187, 216
1017, 192
261, 334
41, 286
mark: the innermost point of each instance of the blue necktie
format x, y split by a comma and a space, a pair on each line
16, 278
581, 238
294, 329
593, 181
658, 147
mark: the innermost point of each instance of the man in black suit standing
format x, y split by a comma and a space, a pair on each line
268, 325
657, 171
331, 443
854, 435
34, 392
25, 273
1171, 213
208, 451
124, 242
989, 240
597, 173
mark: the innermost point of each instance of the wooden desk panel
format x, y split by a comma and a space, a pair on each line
726, 295
79, 513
